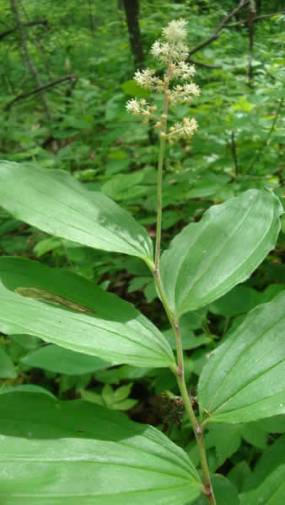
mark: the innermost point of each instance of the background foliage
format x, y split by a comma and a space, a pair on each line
64, 80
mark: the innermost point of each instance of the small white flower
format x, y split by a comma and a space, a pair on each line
156, 49
184, 71
189, 126
140, 108
184, 93
167, 52
161, 51
145, 78
191, 89
133, 106
175, 31
179, 52
183, 130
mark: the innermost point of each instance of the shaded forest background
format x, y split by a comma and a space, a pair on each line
66, 74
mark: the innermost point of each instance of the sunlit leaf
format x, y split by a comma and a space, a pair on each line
207, 259
56, 203
59, 360
112, 329
244, 377
75, 452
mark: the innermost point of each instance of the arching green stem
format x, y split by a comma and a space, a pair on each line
187, 400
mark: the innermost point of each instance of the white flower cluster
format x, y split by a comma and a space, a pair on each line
166, 52
184, 93
184, 71
172, 48
185, 129
140, 108
172, 51
146, 78
175, 31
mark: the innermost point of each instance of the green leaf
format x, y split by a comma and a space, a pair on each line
239, 300
26, 342
46, 245
112, 329
124, 372
75, 452
271, 491
255, 434
189, 341
126, 186
225, 439
239, 474
207, 259
133, 89
112, 399
59, 360
274, 424
266, 486
53, 201
25, 388
7, 369
244, 377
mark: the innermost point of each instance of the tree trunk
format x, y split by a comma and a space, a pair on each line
24, 50
258, 6
91, 17
251, 18
132, 17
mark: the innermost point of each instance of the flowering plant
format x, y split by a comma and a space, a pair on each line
60, 452
172, 53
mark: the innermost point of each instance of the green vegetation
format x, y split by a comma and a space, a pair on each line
142, 281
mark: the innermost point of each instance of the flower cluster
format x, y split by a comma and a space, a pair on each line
140, 108
171, 51
184, 93
175, 31
172, 48
184, 71
146, 78
185, 129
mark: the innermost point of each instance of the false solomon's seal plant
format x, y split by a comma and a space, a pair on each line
73, 452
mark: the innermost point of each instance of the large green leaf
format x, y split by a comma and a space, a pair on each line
73, 452
59, 360
56, 203
266, 485
207, 259
112, 329
244, 379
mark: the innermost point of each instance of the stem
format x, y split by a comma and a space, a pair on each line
161, 156
233, 147
159, 200
187, 400
155, 268
199, 435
